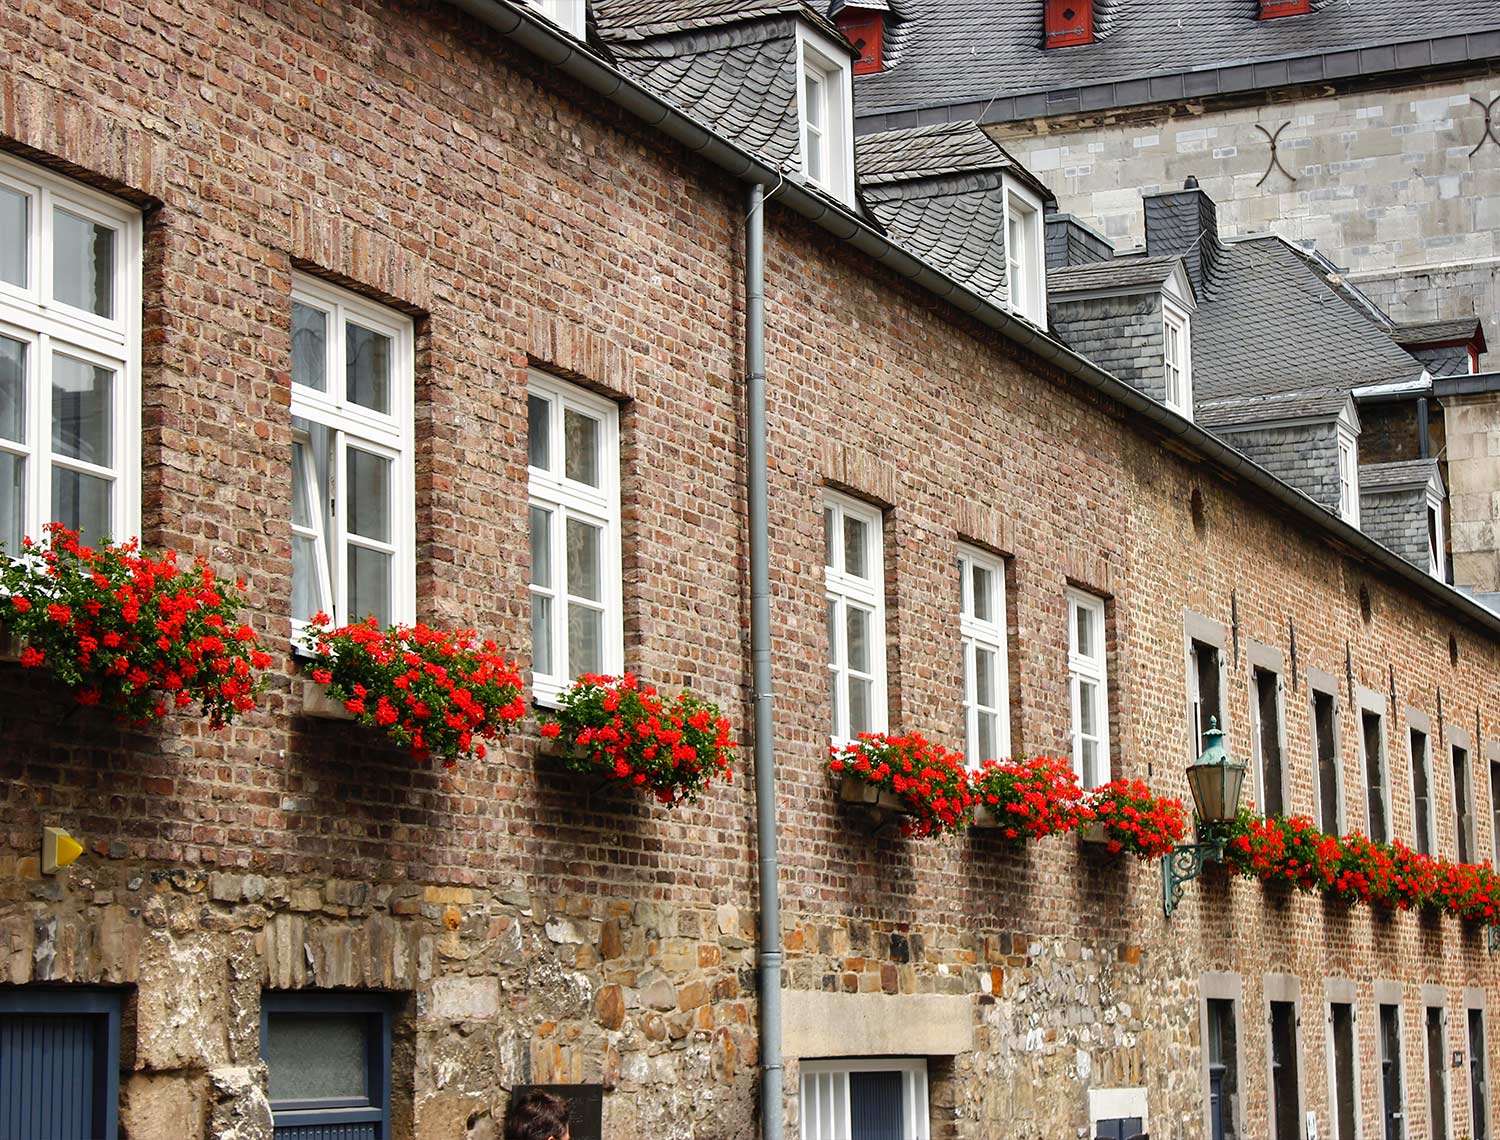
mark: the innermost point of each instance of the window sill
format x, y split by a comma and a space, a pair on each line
318, 704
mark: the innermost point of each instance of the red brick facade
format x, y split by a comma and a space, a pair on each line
537, 931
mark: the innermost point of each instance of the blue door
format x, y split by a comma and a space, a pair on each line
59, 1064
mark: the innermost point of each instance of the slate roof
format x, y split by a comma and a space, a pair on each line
1117, 273
630, 20
1270, 323
1248, 411
1410, 334
1402, 475
961, 54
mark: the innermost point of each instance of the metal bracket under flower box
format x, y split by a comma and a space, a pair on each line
316, 702
10, 647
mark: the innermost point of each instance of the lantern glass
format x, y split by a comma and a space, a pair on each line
1216, 780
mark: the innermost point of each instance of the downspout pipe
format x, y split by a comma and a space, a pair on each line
771, 1110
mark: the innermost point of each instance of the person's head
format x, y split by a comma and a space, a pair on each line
536, 1115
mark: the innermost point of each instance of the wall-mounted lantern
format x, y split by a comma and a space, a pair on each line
1216, 780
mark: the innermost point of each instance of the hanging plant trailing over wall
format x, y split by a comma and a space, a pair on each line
620, 729
135, 634
439, 693
931, 782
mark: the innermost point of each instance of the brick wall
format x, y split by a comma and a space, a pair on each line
539, 929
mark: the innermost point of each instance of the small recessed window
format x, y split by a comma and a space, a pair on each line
854, 597
1025, 256
1178, 360
1088, 688
1348, 459
329, 1059
982, 633
865, 1097
569, 15
823, 99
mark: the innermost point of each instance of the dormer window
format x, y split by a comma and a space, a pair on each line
1271, 9
1178, 359
1026, 277
566, 14
1348, 476
824, 106
1069, 22
1437, 554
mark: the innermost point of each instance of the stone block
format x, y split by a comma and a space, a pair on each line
239, 1108
181, 1007
155, 1107
464, 999
818, 1024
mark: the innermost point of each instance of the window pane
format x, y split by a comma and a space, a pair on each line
984, 677
82, 502
983, 582
541, 547
989, 725
81, 410
83, 263
861, 694
1088, 721
580, 447
301, 513
813, 93
318, 1056
12, 501
541, 634
1084, 631
584, 548
369, 479
309, 347
585, 640
836, 703
369, 585
1090, 757
13, 237
833, 636
306, 597
12, 389
538, 435
828, 536
367, 367
856, 542
857, 622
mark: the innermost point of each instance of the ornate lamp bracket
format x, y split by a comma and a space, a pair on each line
1186, 862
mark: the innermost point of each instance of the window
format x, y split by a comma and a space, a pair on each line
1479, 1085
1372, 740
566, 14
1344, 1095
572, 455
1223, 1070
1069, 22
1088, 688
1421, 790
1267, 691
866, 31
1437, 1073
353, 531
1494, 755
1348, 477
329, 1059
864, 1099
1177, 354
1285, 1090
1392, 1092
1463, 814
854, 574
70, 363
1330, 783
825, 108
982, 628
1026, 273
59, 1064
1204, 665
1437, 555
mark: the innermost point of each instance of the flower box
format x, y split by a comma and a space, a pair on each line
923, 783
1093, 833
853, 790
317, 702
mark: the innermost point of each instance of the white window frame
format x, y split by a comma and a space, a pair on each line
840, 590
829, 1080
1348, 461
1437, 554
831, 68
569, 15
976, 635
1089, 668
600, 506
1177, 367
1023, 214
389, 436
47, 326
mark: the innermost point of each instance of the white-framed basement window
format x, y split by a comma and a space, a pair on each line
854, 576
1025, 255
573, 461
353, 526
825, 111
569, 15
70, 358
1177, 353
982, 631
856, 1097
1348, 449
1088, 688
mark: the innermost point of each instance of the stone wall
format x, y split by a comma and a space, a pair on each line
530, 925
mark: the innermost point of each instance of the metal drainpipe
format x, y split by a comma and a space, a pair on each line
760, 658
1424, 432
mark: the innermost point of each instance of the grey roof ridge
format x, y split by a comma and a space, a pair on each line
556, 47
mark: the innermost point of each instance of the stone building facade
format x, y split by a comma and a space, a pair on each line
521, 926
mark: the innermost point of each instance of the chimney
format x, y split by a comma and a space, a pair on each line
1185, 223
865, 29
1070, 241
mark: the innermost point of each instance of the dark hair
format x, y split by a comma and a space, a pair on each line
536, 1115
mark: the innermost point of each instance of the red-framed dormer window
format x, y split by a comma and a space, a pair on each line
1069, 22
1270, 9
866, 31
